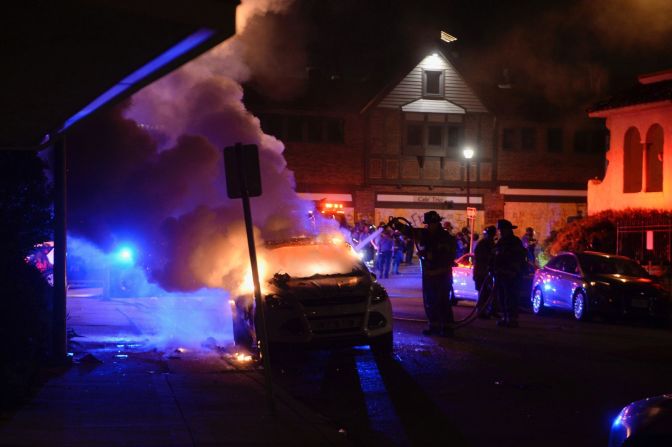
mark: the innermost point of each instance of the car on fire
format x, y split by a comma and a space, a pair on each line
337, 306
588, 283
465, 289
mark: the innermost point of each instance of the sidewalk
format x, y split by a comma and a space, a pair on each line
123, 395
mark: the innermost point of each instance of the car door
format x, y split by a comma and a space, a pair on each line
550, 277
568, 280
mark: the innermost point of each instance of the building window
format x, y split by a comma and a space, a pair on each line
272, 124
554, 140
295, 128
528, 139
632, 161
430, 136
435, 135
335, 131
414, 135
509, 139
432, 84
654, 159
314, 129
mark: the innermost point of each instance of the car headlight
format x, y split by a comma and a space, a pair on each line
378, 293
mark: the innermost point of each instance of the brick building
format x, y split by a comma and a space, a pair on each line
397, 150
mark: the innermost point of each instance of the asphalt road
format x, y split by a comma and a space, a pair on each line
551, 382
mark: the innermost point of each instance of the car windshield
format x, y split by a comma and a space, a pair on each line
602, 265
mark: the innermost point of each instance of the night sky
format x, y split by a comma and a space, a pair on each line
570, 53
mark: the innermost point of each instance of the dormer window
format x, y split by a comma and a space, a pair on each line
432, 83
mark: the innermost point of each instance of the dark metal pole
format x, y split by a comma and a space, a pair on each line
58, 336
468, 180
262, 333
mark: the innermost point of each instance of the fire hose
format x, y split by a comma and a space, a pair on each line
486, 294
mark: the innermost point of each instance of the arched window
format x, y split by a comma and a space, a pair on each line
654, 159
632, 161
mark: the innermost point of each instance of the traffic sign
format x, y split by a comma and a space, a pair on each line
471, 213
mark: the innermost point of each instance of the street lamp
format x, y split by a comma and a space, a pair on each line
468, 154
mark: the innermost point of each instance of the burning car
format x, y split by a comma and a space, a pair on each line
319, 293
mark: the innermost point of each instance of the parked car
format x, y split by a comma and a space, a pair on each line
465, 289
343, 308
589, 283
644, 423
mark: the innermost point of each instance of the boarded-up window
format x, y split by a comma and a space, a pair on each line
654, 159
554, 140
632, 161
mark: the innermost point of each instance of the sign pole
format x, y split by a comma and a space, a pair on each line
262, 334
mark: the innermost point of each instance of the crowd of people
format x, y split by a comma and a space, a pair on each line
498, 253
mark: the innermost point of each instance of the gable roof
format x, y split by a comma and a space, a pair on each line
408, 90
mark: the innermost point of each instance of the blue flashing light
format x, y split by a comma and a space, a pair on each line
174, 52
125, 255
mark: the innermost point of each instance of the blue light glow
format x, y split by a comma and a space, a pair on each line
174, 52
125, 255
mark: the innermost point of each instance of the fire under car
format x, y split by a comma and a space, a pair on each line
322, 295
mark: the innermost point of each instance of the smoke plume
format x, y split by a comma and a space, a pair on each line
150, 171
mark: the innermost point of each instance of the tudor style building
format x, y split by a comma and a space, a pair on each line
398, 151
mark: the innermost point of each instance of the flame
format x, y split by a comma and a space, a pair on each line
247, 286
242, 357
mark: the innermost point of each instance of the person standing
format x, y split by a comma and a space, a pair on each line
385, 245
398, 247
508, 261
483, 255
436, 250
530, 244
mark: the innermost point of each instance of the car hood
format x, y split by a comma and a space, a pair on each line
323, 287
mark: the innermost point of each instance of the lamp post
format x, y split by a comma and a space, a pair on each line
468, 154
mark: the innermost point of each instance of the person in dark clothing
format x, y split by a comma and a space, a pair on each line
483, 255
436, 250
508, 265
408, 251
530, 245
397, 251
385, 246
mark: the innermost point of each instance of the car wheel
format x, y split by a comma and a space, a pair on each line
580, 306
383, 345
453, 299
538, 302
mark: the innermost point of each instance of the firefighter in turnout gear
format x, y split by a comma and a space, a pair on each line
508, 266
436, 250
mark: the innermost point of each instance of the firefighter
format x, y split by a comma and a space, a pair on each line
483, 254
508, 266
436, 250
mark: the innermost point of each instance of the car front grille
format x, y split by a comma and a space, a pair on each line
334, 301
336, 325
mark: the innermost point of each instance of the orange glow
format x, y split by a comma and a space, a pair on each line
242, 357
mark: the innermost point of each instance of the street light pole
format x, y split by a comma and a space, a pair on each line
468, 155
